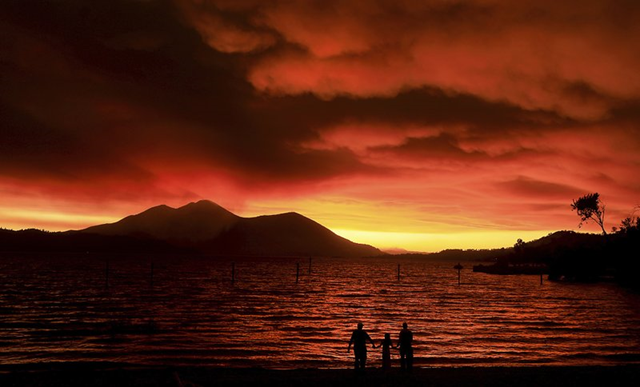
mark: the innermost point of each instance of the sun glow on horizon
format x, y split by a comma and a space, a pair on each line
18, 219
397, 225
434, 242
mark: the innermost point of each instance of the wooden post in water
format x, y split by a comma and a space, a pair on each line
398, 272
458, 267
233, 273
297, 271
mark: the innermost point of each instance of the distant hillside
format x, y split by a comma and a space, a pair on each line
565, 240
535, 251
563, 255
202, 227
32, 240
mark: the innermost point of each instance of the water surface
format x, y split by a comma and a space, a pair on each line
58, 308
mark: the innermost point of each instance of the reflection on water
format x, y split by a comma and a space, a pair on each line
189, 312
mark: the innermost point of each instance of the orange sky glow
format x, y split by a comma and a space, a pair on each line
421, 125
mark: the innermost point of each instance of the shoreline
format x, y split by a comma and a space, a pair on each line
117, 374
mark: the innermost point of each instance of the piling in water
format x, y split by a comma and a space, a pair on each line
458, 267
297, 271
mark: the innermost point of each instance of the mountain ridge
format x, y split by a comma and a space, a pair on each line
195, 221
207, 227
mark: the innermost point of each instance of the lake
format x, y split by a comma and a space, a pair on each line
181, 310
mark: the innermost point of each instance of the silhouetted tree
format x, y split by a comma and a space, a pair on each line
629, 224
589, 207
519, 246
518, 250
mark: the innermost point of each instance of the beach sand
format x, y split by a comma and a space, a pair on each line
99, 374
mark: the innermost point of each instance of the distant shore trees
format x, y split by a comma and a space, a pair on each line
630, 224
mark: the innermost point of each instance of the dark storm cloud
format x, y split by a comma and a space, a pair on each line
127, 88
569, 57
112, 80
32, 149
90, 87
441, 147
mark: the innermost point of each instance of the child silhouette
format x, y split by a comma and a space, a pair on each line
386, 351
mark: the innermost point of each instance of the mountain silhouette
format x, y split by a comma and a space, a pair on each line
209, 228
194, 222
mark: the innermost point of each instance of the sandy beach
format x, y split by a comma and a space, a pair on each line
92, 374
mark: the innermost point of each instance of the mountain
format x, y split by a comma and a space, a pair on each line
194, 222
206, 227
286, 234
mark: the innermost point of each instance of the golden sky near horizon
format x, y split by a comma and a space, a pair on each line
424, 125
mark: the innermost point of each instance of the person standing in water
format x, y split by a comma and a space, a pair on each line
405, 341
359, 339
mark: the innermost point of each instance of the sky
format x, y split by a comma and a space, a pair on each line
421, 125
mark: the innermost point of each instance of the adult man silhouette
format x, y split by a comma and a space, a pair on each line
359, 339
405, 341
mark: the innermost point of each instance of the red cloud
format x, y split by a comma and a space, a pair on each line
564, 56
225, 33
